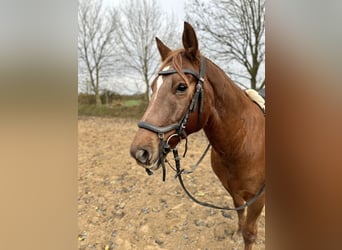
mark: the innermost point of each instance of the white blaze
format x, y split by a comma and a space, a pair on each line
159, 83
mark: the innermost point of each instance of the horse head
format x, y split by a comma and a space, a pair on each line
176, 107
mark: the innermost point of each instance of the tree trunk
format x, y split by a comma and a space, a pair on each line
98, 99
147, 92
254, 83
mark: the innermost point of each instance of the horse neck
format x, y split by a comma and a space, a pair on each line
227, 113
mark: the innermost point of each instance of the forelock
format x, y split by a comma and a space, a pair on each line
175, 61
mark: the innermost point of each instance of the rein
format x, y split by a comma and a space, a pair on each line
179, 176
165, 148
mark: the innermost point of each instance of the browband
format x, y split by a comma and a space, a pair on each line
185, 71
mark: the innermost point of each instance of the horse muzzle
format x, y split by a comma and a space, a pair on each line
142, 156
145, 153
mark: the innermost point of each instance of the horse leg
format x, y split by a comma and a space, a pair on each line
221, 173
250, 229
239, 201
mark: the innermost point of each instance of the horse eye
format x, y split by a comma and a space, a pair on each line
182, 87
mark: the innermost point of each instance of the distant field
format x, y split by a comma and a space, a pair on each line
128, 103
133, 108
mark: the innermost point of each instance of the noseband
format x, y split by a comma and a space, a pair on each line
164, 146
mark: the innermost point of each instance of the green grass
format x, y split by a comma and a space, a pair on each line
123, 108
127, 103
132, 103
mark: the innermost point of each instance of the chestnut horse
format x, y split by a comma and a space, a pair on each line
191, 93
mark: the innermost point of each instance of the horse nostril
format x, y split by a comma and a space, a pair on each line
142, 156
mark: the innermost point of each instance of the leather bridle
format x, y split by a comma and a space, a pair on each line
197, 98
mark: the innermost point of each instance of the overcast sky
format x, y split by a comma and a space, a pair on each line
172, 6
175, 6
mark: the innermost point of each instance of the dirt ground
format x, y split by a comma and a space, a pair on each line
120, 207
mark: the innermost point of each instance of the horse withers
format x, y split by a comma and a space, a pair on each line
191, 93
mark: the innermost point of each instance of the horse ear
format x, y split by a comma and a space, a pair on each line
164, 51
190, 42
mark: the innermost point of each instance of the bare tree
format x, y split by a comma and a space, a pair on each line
96, 42
233, 33
141, 21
